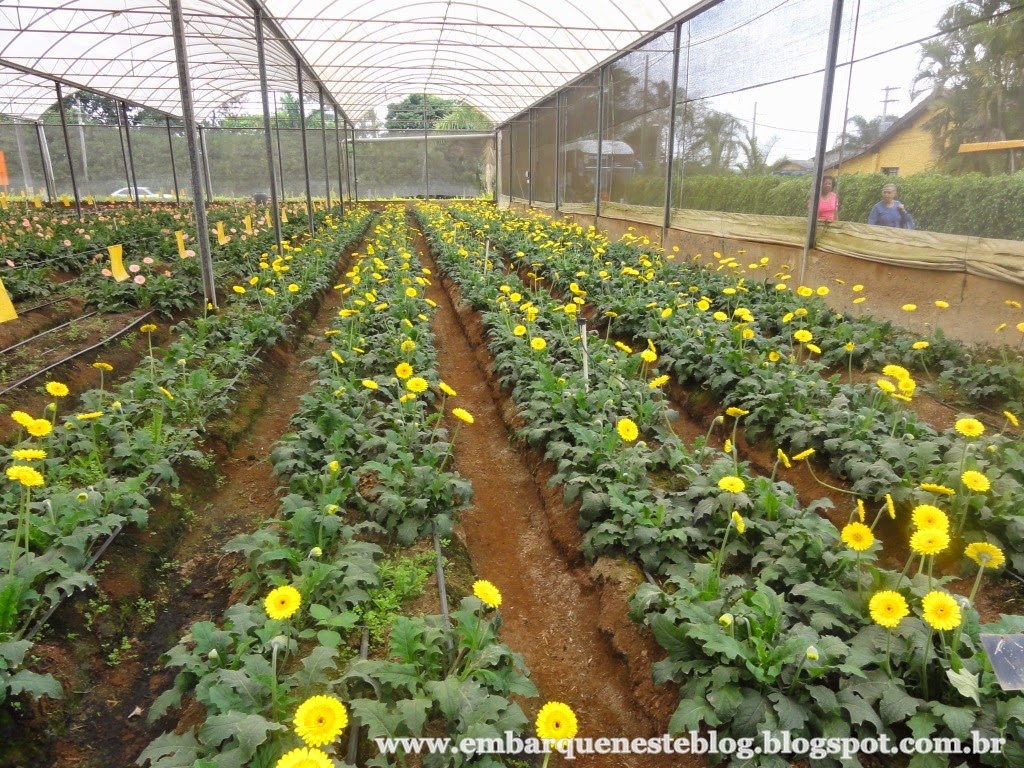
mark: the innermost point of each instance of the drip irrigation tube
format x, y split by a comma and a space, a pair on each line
45, 304
65, 595
43, 333
354, 725
97, 345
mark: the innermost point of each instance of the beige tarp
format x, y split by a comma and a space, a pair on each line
987, 257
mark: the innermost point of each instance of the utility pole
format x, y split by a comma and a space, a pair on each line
887, 101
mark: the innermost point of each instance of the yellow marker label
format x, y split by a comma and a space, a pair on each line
248, 224
3, 201
180, 237
90, 200
37, 201
110, 199
66, 199
284, 215
116, 264
6, 307
222, 239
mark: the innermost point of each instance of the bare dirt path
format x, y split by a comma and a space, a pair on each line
552, 607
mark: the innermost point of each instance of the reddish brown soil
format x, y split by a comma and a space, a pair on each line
566, 618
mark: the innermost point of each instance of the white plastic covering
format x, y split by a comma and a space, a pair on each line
499, 56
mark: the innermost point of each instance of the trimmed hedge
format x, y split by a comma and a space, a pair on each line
972, 204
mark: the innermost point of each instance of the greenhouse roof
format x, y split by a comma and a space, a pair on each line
499, 57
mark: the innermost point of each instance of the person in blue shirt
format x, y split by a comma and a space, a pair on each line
890, 212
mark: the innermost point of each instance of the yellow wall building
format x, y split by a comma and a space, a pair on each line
903, 150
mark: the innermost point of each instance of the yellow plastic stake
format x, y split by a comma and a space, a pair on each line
248, 224
179, 235
284, 215
6, 307
90, 200
116, 264
37, 201
66, 199
110, 199
222, 239
3, 201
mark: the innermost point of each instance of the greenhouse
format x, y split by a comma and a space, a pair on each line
474, 384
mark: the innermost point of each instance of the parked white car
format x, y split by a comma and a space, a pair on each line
143, 193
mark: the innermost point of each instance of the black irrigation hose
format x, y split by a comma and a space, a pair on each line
97, 345
50, 330
65, 595
46, 304
354, 726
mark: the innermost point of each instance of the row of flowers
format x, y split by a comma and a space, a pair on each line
772, 618
365, 458
76, 477
755, 345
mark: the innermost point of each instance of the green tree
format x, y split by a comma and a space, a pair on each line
975, 68
755, 153
715, 144
860, 134
417, 111
92, 109
464, 117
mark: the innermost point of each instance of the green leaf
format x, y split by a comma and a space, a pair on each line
379, 722
250, 731
396, 675
329, 638
896, 705
407, 640
171, 750
34, 684
923, 724
752, 715
792, 715
726, 700
928, 760
315, 666
957, 719
966, 683
858, 709
414, 714
689, 716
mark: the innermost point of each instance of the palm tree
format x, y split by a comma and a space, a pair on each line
714, 142
755, 154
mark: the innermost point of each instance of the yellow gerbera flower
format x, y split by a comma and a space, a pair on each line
320, 720
27, 476
305, 757
857, 537
739, 522
985, 554
627, 430
417, 384
927, 516
658, 381
936, 488
784, 459
975, 481
538, 343
369, 383
732, 484
806, 454
736, 412
803, 336
463, 415
929, 541
403, 371
56, 389
888, 608
487, 593
28, 454
446, 389
941, 611
519, 330
1010, 417
282, 602
970, 427
42, 427
556, 721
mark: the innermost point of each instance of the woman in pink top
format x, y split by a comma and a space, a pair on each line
828, 204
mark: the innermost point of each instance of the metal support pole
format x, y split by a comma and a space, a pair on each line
341, 175
26, 171
124, 152
174, 170
512, 176
67, 148
426, 161
671, 149
558, 149
131, 158
44, 154
529, 158
600, 146
831, 55
188, 113
280, 156
261, 58
305, 152
355, 168
206, 163
323, 136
